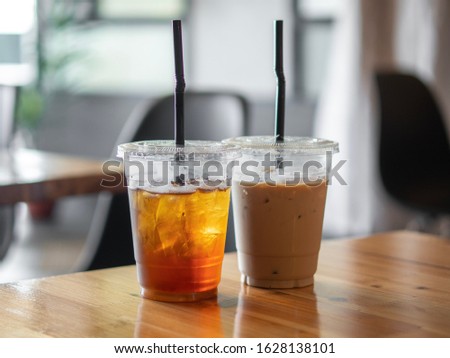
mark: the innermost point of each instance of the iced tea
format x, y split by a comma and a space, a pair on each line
179, 241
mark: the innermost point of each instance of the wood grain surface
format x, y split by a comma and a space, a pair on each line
393, 284
31, 175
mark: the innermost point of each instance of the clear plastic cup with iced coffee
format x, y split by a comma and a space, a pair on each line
278, 196
179, 202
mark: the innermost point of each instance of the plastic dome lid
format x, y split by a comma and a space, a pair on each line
168, 147
298, 145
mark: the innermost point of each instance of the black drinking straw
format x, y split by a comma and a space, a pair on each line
180, 84
281, 87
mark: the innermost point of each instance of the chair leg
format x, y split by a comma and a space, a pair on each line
6, 229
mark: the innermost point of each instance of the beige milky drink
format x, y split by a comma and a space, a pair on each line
278, 213
283, 221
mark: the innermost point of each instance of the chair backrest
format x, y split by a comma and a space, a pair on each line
413, 144
208, 116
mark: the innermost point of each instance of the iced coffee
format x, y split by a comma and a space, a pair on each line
278, 208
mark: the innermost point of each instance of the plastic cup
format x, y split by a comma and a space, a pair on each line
278, 194
179, 202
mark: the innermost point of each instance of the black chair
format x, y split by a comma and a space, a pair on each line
414, 150
208, 116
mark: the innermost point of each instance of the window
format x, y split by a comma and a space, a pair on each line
114, 46
125, 47
313, 34
138, 9
17, 41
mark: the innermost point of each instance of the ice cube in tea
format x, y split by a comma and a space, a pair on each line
179, 240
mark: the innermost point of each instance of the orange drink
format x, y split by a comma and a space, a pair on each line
179, 241
179, 203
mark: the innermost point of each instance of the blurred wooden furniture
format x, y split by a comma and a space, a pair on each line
394, 284
31, 175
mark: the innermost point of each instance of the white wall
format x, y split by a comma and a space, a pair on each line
232, 44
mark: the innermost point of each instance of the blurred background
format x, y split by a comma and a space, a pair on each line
83, 66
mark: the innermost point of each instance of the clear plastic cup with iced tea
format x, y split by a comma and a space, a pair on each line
179, 203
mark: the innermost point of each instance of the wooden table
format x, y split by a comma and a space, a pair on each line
31, 175
387, 285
